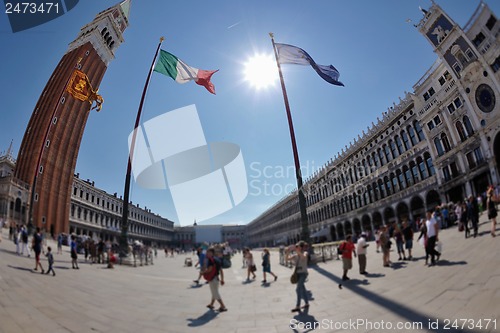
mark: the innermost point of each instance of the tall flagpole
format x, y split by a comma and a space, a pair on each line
126, 191
302, 199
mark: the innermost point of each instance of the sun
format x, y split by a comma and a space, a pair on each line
261, 71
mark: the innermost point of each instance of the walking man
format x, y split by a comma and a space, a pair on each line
361, 249
347, 248
432, 237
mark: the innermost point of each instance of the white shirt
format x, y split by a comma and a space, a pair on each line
431, 227
361, 246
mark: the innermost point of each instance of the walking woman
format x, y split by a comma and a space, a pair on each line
37, 247
300, 259
266, 265
213, 273
250, 264
492, 210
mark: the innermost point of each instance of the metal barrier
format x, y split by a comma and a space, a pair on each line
325, 251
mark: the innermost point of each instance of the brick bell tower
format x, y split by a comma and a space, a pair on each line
49, 150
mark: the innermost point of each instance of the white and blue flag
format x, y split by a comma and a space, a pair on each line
289, 54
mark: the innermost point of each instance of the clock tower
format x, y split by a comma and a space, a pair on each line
469, 53
49, 150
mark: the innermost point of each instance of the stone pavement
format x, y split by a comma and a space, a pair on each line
461, 293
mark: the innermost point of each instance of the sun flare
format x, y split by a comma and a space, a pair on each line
261, 71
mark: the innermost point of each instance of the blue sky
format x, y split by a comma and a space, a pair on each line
378, 54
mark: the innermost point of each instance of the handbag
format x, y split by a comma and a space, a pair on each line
295, 277
253, 268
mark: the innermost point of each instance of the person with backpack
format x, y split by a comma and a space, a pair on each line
213, 273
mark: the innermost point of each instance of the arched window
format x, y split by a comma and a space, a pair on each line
408, 176
422, 168
381, 156
394, 149
430, 165
399, 145
439, 146
418, 129
388, 185
381, 188
461, 131
411, 133
414, 171
366, 198
406, 142
375, 191
401, 179
468, 126
446, 142
387, 151
394, 180
369, 190
366, 168
375, 159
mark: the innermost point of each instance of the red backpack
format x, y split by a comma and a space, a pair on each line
210, 274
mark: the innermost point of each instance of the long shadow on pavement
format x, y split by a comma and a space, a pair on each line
411, 315
22, 268
203, 319
450, 263
305, 319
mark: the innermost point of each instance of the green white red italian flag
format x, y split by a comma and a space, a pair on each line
170, 65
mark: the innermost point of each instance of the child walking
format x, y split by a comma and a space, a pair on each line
50, 258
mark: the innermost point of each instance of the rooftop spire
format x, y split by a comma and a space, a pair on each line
9, 151
125, 6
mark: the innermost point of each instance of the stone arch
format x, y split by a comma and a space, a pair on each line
377, 220
356, 224
366, 223
389, 215
496, 153
402, 211
432, 199
340, 231
417, 207
347, 228
333, 233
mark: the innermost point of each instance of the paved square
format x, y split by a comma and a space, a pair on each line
461, 293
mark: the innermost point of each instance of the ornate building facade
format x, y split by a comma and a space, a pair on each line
93, 211
49, 150
439, 144
98, 214
14, 194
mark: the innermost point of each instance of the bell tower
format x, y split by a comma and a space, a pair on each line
469, 53
49, 150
